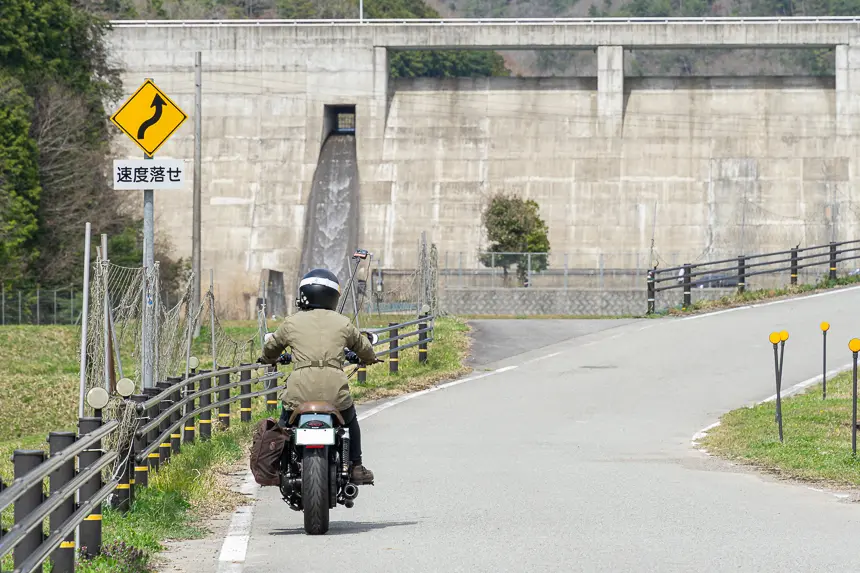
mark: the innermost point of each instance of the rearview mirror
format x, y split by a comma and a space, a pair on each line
372, 337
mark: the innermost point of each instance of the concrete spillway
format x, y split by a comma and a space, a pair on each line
331, 227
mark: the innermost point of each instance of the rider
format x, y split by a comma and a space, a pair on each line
318, 336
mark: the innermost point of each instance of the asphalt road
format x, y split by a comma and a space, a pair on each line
579, 459
494, 340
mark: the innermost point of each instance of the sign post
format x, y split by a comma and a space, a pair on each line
148, 118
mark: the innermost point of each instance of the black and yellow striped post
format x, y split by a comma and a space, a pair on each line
141, 470
422, 341
742, 274
362, 374
245, 403
154, 458
393, 354
176, 434
205, 415
224, 411
794, 266
832, 261
688, 296
91, 527
63, 558
190, 406
164, 447
272, 399
24, 462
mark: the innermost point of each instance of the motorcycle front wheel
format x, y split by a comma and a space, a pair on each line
315, 491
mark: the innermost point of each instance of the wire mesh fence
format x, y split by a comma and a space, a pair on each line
590, 270
404, 291
40, 306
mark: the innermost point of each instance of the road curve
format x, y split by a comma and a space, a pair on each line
579, 459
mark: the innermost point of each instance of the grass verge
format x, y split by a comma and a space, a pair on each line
753, 296
817, 436
42, 397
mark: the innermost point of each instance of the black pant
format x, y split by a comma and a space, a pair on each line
350, 420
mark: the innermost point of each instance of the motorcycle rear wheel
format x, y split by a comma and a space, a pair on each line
315, 491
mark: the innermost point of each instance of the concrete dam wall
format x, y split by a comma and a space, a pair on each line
707, 167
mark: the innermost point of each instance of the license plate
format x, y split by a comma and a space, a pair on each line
315, 437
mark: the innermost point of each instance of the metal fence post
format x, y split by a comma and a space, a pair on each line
91, 527
422, 344
141, 470
224, 411
245, 403
19, 306
38, 311
529, 270
176, 434
122, 501
272, 399
154, 458
393, 355
832, 261
688, 297
63, 558
72, 307
565, 271
794, 266
190, 406
25, 461
55, 306
651, 292
742, 274
164, 447
205, 400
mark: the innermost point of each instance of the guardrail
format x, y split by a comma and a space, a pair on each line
167, 416
734, 273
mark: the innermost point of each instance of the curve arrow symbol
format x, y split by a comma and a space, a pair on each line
158, 104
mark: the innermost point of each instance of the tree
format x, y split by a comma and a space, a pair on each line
514, 225
19, 181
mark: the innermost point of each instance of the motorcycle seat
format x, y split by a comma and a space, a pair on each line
316, 408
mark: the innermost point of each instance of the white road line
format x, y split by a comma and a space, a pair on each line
773, 302
235, 546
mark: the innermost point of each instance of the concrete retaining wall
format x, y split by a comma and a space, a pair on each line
533, 301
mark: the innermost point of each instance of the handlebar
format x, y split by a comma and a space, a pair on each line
351, 357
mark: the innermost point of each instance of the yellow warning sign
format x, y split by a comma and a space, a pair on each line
149, 117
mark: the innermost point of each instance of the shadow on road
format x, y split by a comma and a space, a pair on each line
347, 527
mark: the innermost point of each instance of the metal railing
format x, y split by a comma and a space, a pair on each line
735, 272
167, 416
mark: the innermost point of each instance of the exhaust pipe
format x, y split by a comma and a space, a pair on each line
350, 491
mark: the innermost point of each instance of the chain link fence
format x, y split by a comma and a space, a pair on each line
584, 270
40, 306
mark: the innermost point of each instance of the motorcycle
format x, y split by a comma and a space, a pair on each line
314, 469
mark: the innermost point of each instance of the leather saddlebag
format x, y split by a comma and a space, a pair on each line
266, 448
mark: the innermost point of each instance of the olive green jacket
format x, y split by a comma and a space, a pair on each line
317, 339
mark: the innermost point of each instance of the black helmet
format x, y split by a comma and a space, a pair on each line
319, 288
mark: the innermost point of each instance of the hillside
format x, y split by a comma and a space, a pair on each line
543, 62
